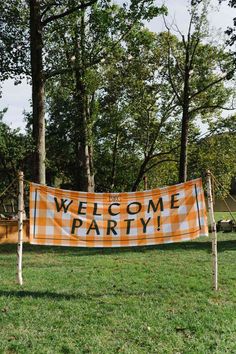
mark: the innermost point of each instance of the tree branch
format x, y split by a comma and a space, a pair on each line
68, 12
177, 64
158, 163
170, 76
211, 107
193, 53
50, 74
164, 153
211, 84
129, 28
47, 7
163, 119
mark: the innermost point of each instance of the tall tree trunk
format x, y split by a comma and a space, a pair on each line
183, 163
114, 159
89, 168
38, 96
140, 175
84, 146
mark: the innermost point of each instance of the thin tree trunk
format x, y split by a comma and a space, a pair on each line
83, 134
84, 148
140, 175
183, 163
114, 160
38, 96
89, 149
81, 147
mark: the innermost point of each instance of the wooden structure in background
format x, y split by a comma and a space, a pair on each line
9, 231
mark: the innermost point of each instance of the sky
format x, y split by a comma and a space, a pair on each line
17, 98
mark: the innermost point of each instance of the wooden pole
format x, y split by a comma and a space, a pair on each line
20, 227
212, 231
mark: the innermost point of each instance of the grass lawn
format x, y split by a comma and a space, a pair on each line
142, 300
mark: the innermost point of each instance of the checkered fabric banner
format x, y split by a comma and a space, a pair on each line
68, 218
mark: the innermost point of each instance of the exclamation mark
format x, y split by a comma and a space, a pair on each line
158, 223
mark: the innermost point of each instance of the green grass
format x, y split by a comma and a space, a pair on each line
224, 215
143, 300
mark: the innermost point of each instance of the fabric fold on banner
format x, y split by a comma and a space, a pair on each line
164, 215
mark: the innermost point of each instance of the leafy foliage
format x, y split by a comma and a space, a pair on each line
15, 151
14, 40
118, 89
217, 152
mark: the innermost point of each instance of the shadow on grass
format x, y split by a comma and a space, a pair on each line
37, 294
223, 245
21, 294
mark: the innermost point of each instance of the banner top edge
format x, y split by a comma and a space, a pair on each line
103, 194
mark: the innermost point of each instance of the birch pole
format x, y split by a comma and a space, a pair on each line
212, 231
20, 227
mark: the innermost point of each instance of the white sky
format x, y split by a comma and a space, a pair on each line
17, 98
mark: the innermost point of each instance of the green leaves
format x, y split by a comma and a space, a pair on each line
14, 40
119, 88
15, 150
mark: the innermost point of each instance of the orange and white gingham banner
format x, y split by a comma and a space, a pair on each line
164, 215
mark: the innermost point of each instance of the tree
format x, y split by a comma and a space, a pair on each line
15, 150
41, 15
196, 73
216, 151
85, 41
38, 94
14, 58
127, 106
17, 54
231, 30
136, 104
146, 99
